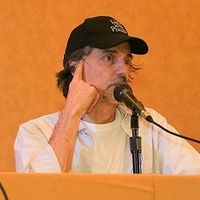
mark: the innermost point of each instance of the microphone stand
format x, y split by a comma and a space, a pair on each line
135, 144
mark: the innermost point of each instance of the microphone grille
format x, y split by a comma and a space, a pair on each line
120, 89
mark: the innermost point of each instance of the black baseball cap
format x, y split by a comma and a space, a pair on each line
103, 32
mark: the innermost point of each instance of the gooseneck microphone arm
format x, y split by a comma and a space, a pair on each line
123, 93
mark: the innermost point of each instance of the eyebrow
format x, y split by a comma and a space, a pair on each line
115, 51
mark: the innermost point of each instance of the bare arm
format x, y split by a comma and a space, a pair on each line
81, 99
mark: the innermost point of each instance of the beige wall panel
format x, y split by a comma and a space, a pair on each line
33, 38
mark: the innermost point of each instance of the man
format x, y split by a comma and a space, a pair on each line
91, 134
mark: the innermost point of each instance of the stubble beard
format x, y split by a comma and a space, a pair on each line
108, 95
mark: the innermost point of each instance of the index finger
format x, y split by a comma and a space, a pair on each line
78, 74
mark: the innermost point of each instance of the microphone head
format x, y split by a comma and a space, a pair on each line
123, 93
120, 89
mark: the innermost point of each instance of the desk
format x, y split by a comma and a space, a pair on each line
99, 187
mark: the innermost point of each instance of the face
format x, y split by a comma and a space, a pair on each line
104, 69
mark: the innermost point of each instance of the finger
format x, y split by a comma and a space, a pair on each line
78, 74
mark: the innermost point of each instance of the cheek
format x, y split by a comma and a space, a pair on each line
97, 78
89, 75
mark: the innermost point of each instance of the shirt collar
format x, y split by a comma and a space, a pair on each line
124, 120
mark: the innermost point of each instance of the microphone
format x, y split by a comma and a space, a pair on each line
123, 93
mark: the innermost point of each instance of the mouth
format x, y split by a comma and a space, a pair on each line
114, 83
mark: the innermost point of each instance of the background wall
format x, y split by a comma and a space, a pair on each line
32, 41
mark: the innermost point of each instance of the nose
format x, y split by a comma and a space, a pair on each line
122, 68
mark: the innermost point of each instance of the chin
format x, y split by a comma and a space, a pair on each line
109, 99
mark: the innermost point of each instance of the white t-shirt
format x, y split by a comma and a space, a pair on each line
105, 148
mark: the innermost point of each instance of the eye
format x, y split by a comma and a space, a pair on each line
128, 60
109, 58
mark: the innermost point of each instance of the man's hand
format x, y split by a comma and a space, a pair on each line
81, 97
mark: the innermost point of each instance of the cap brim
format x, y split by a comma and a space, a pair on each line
137, 45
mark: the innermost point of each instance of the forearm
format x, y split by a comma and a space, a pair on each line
63, 139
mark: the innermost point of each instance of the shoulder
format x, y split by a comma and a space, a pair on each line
126, 113
41, 126
156, 116
144, 125
50, 118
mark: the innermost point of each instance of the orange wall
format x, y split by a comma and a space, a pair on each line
32, 41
